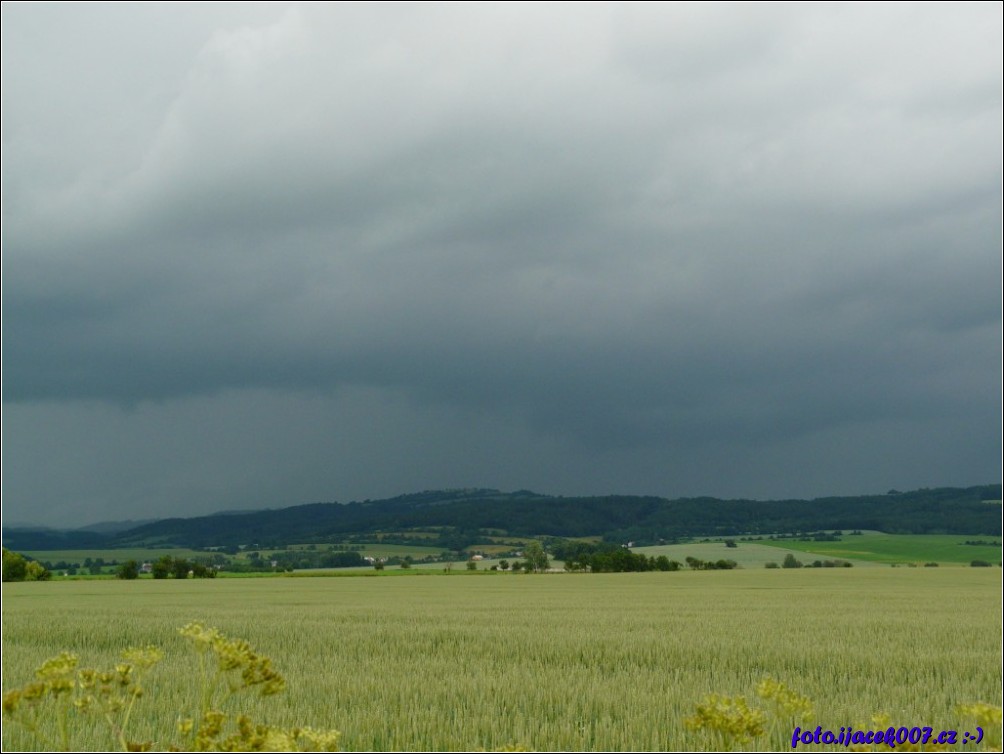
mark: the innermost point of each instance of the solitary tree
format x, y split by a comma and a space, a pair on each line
790, 561
181, 567
536, 558
128, 570
162, 567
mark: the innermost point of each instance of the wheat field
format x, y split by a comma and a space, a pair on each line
545, 662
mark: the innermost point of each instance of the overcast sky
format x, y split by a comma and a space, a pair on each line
256, 256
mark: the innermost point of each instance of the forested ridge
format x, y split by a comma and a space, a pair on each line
617, 518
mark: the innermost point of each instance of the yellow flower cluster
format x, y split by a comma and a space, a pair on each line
988, 717
112, 694
243, 668
55, 680
984, 714
109, 692
733, 722
250, 736
236, 654
730, 718
786, 701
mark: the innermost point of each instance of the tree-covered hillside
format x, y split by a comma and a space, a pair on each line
617, 518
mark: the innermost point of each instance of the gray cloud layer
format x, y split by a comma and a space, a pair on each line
668, 243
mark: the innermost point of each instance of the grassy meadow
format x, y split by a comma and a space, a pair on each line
746, 554
901, 549
551, 661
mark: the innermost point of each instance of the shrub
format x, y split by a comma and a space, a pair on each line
791, 562
128, 570
181, 568
17, 567
35, 571
161, 568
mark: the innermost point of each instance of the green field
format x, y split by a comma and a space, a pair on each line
375, 549
945, 549
562, 661
746, 554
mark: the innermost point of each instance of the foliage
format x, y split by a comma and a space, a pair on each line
604, 557
128, 570
536, 558
180, 568
68, 694
17, 567
161, 568
790, 561
35, 571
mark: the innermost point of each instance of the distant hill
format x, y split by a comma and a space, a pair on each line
463, 514
36, 538
113, 527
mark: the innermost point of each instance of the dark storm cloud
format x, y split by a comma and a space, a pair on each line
619, 231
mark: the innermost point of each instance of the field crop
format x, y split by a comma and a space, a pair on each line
375, 549
746, 554
884, 548
563, 661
